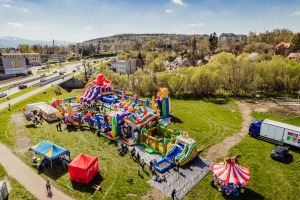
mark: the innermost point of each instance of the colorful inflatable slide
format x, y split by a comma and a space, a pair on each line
183, 151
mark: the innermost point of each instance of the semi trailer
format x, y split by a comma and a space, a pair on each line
277, 131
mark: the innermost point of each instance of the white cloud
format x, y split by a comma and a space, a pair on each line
179, 2
169, 11
296, 13
259, 20
7, 5
22, 9
193, 25
88, 27
14, 24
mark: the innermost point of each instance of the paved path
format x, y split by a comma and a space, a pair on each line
14, 167
27, 177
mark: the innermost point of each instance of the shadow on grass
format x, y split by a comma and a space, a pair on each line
88, 188
247, 195
56, 172
51, 122
30, 126
289, 159
175, 119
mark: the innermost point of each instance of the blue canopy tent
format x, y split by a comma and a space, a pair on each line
49, 150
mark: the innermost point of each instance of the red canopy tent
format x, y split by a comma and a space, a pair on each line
83, 168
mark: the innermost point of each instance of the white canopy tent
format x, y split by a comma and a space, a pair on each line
33, 106
48, 112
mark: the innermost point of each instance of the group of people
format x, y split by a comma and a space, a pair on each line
36, 117
157, 178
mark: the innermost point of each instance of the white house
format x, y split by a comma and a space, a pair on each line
179, 62
126, 66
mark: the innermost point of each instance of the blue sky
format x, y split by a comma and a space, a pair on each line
78, 20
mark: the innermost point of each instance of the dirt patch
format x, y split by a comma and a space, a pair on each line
285, 111
221, 149
22, 144
18, 119
153, 194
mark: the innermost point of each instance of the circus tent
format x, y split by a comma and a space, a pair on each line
231, 173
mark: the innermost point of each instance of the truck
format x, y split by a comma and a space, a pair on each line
278, 132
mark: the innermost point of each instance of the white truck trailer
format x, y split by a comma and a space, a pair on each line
278, 131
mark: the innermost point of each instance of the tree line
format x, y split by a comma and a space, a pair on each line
227, 73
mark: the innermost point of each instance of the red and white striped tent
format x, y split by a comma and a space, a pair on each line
231, 173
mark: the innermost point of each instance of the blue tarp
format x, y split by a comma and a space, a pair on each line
49, 150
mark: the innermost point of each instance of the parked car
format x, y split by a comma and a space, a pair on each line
74, 70
21, 87
3, 94
43, 75
54, 72
279, 153
42, 80
61, 73
44, 67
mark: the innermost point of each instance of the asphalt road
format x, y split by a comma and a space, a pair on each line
68, 69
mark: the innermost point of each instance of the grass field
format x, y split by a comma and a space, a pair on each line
269, 179
206, 122
3, 89
17, 191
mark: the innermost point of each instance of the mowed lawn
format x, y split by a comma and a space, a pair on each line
208, 123
270, 179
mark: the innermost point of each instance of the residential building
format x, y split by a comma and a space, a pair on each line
14, 65
231, 37
283, 48
241, 37
126, 66
113, 63
32, 59
180, 62
57, 57
294, 56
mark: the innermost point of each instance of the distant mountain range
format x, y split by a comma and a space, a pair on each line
8, 41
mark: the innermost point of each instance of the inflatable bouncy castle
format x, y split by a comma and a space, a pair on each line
99, 89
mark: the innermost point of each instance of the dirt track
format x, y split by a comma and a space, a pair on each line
221, 149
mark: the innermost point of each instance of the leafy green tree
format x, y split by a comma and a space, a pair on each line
213, 42
296, 42
25, 48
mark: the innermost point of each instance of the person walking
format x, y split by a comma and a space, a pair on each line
173, 194
178, 166
48, 187
59, 125
143, 164
138, 157
153, 169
